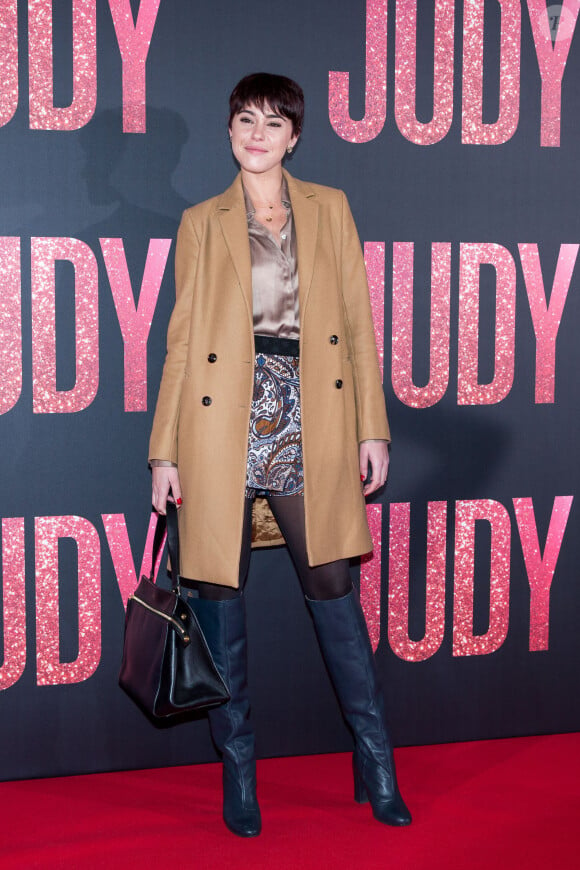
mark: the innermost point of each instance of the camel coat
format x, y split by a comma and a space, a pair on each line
203, 409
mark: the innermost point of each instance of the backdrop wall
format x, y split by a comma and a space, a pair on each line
454, 129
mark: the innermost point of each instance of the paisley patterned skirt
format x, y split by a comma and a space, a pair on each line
274, 438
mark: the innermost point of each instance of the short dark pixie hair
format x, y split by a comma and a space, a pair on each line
280, 93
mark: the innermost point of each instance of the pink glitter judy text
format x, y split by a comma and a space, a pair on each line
539, 565
546, 306
546, 300
134, 320
133, 37
551, 35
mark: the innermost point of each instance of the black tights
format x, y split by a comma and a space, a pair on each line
323, 582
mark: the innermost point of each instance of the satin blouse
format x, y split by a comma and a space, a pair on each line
274, 274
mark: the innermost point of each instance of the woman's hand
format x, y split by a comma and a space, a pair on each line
165, 481
377, 454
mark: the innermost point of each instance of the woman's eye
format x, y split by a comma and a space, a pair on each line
246, 120
274, 124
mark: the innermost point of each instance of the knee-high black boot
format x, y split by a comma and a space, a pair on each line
224, 626
344, 641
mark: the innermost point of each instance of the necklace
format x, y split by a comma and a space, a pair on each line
268, 205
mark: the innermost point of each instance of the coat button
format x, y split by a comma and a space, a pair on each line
338, 384
212, 357
206, 400
333, 339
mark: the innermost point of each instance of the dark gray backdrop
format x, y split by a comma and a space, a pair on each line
98, 182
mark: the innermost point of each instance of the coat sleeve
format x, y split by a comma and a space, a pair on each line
163, 441
369, 397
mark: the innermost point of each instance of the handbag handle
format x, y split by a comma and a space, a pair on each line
167, 523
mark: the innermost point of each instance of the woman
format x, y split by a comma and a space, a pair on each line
249, 433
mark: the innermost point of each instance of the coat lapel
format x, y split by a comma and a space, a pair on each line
305, 213
232, 217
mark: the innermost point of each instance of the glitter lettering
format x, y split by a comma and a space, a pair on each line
471, 257
120, 547
540, 567
467, 513
134, 40
375, 114
552, 60
370, 575
136, 310
399, 541
50, 669
44, 254
402, 346
14, 606
546, 317
8, 60
406, 73
135, 322
10, 323
474, 131
44, 115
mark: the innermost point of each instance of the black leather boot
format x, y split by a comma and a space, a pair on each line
224, 626
344, 641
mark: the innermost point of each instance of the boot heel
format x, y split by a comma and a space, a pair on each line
360, 791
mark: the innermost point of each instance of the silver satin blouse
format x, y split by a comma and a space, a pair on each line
274, 274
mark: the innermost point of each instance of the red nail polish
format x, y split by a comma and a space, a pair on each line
362, 477
178, 501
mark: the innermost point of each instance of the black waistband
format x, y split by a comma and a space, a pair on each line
280, 346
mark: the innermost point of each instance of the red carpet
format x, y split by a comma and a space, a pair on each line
493, 804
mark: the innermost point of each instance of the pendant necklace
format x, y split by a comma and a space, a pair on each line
269, 205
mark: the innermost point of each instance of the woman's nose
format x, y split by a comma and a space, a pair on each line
258, 131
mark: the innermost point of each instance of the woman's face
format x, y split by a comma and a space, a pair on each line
260, 138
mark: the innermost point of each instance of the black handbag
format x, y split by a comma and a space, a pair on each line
167, 667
